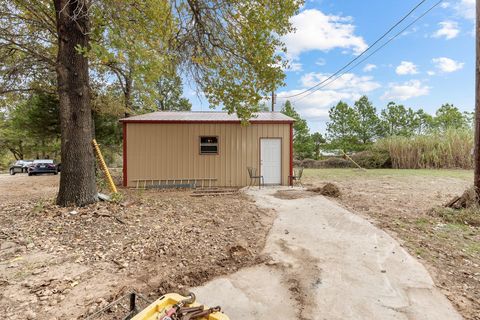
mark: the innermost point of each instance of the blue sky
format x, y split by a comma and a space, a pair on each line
432, 63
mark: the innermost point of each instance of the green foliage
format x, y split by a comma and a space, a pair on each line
31, 128
239, 63
303, 144
341, 128
373, 159
424, 122
366, 124
231, 50
448, 116
398, 120
318, 142
170, 92
408, 139
39, 116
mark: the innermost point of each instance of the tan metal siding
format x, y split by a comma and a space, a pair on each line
160, 151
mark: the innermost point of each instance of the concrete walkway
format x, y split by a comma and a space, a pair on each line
327, 263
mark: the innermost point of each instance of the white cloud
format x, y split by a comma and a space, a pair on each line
447, 65
315, 106
449, 30
406, 90
431, 72
445, 5
318, 31
369, 67
347, 82
466, 9
406, 67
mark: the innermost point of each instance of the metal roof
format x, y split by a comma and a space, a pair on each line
205, 116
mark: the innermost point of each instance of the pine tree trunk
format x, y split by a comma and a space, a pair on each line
77, 180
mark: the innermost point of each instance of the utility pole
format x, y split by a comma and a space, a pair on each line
476, 156
273, 100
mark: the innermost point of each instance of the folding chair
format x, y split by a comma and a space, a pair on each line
252, 173
297, 177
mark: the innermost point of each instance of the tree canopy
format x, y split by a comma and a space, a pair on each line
341, 127
355, 128
231, 50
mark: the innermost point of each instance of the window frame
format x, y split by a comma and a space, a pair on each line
210, 153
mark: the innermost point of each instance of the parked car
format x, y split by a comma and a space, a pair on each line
20, 166
42, 166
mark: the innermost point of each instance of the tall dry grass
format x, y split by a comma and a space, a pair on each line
450, 149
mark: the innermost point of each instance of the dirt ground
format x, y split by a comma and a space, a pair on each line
399, 201
63, 263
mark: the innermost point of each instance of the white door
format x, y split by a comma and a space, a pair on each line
270, 160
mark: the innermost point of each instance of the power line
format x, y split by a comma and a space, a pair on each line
371, 54
361, 54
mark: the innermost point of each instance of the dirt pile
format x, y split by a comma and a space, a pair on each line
328, 190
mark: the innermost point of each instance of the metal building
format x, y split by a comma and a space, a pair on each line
206, 148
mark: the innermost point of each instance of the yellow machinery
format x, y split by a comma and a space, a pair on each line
158, 309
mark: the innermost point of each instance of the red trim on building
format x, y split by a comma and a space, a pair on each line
125, 180
291, 151
207, 121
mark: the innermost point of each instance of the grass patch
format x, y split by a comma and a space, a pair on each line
423, 223
473, 249
384, 173
468, 216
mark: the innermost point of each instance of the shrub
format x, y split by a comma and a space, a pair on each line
310, 163
333, 162
373, 159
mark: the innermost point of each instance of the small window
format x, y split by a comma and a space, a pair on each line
208, 145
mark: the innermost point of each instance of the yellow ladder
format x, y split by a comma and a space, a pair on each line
103, 166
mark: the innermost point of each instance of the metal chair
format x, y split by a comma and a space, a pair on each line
296, 177
252, 173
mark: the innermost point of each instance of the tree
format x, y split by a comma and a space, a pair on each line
367, 124
229, 49
423, 121
448, 116
37, 120
398, 120
31, 127
170, 94
303, 145
340, 129
11, 139
77, 181
318, 141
